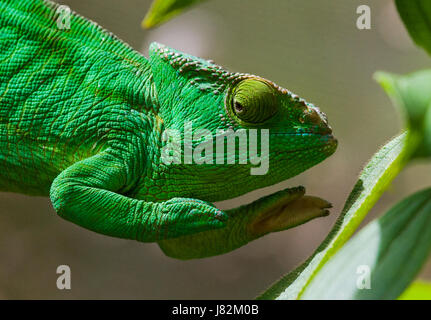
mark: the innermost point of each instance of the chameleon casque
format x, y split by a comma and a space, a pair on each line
81, 121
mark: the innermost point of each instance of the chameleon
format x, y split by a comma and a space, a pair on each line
83, 117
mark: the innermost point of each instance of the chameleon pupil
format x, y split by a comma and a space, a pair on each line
238, 107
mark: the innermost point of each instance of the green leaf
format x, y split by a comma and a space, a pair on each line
163, 10
418, 290
383, 258
412, 95
373, 181
416, 15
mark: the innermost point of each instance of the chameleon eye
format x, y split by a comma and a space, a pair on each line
253, 101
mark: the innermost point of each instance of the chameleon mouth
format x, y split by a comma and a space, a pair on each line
331, 145
328, 147
325, 145
322, 139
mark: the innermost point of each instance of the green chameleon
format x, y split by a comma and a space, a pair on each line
83, 116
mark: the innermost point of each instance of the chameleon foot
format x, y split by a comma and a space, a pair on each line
287, 215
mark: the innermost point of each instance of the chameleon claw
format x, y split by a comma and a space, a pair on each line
286, 216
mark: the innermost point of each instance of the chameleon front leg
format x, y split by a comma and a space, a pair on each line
279, 211
88, 193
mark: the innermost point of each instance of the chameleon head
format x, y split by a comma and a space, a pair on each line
284, 132
297, 129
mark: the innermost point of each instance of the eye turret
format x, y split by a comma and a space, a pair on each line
253, 101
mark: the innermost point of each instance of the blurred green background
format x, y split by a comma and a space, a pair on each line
314, 49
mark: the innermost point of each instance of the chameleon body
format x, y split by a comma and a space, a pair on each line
82, 117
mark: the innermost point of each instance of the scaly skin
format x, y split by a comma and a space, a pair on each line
82, 117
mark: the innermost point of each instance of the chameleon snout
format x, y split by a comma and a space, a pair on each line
317, 119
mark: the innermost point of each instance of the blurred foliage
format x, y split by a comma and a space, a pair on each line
416, 15
394, 247
418, 290
383, 258
163, 10
412, 94
374, 179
